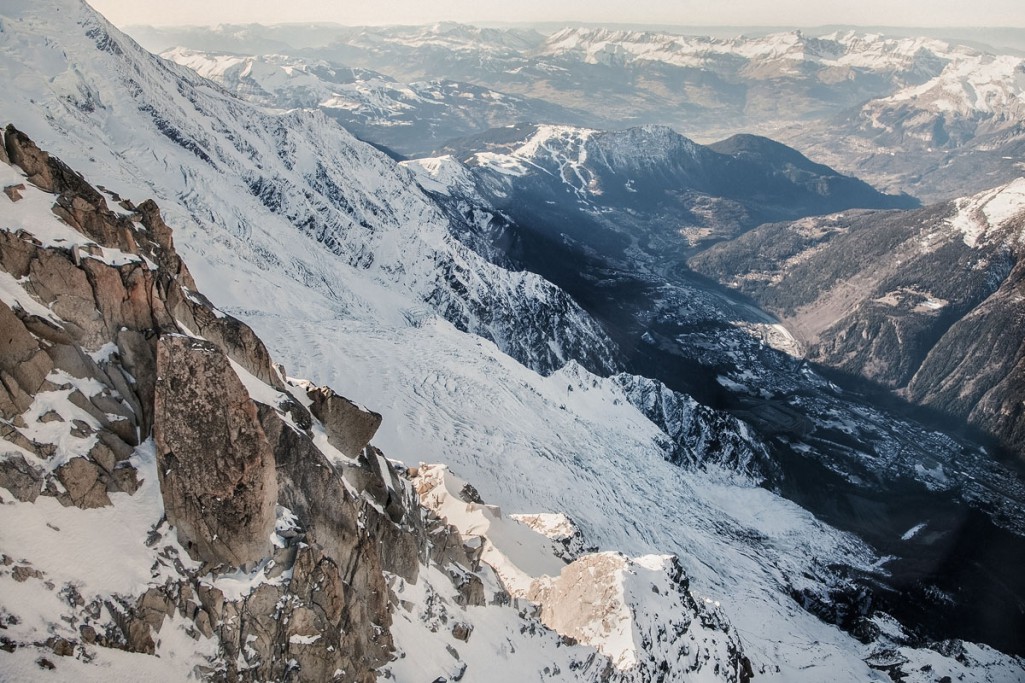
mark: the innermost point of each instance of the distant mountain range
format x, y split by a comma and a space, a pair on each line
919, 115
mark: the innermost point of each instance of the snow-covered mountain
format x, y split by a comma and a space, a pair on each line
411, 119
880, 107
788, 53
274, 172
958, 132
651, 181
467, 584
713, 85
928, 303
567, 211
343, 267
271, 542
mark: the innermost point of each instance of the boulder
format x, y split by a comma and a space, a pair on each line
21, 151
85, 483
124, 479
349, 426
216, 467
13, 192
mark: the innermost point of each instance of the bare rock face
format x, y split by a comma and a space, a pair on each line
312, 488
85, 484
236, 338
216, 467
350, 427
223, 466
19, 477
23, 152
23, 364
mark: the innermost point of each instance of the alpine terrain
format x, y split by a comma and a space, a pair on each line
551, 401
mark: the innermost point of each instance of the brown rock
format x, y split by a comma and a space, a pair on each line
234, 337
311, 488
74, 361
161, 248
139, 358
45, 329
471, 589
62, 286
13, 192
117, 379
139, 637
126, 296
61, 647
88, 634
101, 454
10, 433
23, 152
121, 450
216, 468
153, 606
13, 401
124, 479
15, 253
203, 624
212, 600
81, 429
21, 359
349, 427
85, 487
461, 631
110, 406
22, 573
19, 477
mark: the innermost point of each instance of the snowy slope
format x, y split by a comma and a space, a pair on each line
976, 99
130, 119
972, 84
569, 442
127, 603
980, 218
413, 118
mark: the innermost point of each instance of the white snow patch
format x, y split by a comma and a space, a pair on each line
913, 531
980, 214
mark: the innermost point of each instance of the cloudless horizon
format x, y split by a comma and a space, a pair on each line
739, 13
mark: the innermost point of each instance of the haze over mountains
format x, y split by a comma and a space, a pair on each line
645, 471
849, 98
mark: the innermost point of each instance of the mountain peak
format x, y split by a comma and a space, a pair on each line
766, 149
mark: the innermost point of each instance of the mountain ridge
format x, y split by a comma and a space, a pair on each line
878, 295
278, 536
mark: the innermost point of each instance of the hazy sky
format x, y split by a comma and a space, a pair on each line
959, 13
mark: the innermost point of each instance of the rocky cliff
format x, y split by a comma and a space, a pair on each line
257, 534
